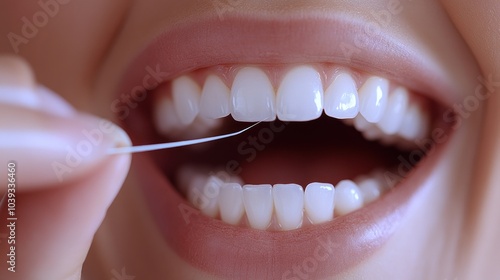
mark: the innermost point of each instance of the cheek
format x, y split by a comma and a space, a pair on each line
57, 24
11, 21
61, 39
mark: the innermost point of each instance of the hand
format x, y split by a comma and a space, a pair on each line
55, 178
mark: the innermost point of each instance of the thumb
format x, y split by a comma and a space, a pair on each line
57, 183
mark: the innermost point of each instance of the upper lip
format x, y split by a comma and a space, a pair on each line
235, 252
236, 40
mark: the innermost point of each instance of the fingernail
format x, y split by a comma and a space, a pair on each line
38, 98
16, 72
17, 82
50, 149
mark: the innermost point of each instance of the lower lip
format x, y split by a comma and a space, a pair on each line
317, 251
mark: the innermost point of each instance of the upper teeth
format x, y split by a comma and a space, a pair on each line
341, 98
373, 99
379, 110
186, 93
214, 99
300, 96
252, 96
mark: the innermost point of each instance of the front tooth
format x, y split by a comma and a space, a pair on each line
373, 133
214, 101
395, 111
341, 98
300, 96
361, 124
258, 201
373, 97
252, 96
289, 205
370, 189
201, 127
186, 96
231, 203
347, 197
318, 202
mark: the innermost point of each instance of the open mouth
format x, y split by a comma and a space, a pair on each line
301, 169
326, 174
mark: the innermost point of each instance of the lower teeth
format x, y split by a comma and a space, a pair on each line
279, 207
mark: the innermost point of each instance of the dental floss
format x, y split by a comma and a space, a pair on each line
155, 147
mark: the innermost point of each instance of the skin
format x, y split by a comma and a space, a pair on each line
449, 232
475, 26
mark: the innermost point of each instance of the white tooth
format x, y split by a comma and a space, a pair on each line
361, 124
318, 202
231, 203
201, 127
372, 133
165, 117
415, 123
373, 97
383, 182
389, 140
214, 101
195, 189
210, 194
236, 179
395, 111
347, 197
206, 122
289, 205
300, 96
360, 178
370, 189
258, 201
186, 96
341, 98
252, 96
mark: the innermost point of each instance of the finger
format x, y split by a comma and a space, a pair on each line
51, 149
15, 71
48, 219
55, 227
44, 134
